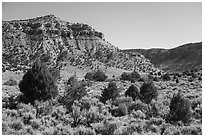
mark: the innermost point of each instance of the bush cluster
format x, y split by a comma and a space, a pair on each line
133, 76
77, 113
96, 75
111, 92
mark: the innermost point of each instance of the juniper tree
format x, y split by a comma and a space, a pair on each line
38, 84
148, 91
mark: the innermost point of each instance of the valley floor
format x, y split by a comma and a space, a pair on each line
26, 119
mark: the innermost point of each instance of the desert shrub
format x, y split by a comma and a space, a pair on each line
82, 130
91, 115
156, 121
11, 82
43, 108
133, 76
177, 80
96, 75
38, 84
137, 105
200, 78
179, 109
55, 72
138, 114
133, 92
27, 112
123, 100
111, 92
154, 110
148, 91
76, 116
106, 128
191, 130
121, 110
166, 77
73, 92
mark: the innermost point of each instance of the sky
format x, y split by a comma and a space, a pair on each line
127, 25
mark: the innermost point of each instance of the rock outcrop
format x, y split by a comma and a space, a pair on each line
55, 41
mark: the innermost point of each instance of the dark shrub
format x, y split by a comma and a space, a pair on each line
159, 73
132, 81
179, 109
166, 77
133, 92
97, 76
137, 105
38, 84
151, 73
177, 80
193, 75
150, 77
120, 111
190, 79
125, 76
133, 76
148, 91
110, 93
89, 76
11, 82
187, 73
175, 76
156, 79
72, 80
199, 78
3, 69
179, 74
100, 76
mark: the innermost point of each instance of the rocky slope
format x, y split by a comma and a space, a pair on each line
57, 42
184, 57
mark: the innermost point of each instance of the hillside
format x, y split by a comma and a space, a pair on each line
57, 42
184, 57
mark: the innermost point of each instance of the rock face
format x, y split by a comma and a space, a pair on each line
55, 41
181, 58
